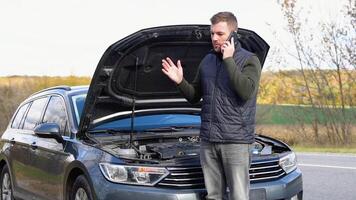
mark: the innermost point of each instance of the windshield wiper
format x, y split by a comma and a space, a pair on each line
111, 131
171, 128
159, 129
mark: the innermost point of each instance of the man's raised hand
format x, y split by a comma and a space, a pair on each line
174, 72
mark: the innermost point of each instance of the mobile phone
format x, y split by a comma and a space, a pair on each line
234, 35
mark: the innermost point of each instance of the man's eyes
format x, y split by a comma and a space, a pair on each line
219, 34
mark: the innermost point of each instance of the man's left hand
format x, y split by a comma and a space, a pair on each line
228, 48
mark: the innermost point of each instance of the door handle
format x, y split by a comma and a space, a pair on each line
34, 146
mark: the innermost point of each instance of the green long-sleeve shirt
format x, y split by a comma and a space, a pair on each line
245, 83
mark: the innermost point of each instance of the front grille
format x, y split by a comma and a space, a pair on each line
184, 177
192, 176
265, 171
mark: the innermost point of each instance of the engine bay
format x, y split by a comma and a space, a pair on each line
175, 147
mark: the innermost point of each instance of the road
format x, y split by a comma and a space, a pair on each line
328, 176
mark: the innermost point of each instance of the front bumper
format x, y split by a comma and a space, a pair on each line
284, 188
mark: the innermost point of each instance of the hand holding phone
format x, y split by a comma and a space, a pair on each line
228, 47
233, 34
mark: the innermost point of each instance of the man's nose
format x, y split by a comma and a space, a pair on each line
214, 37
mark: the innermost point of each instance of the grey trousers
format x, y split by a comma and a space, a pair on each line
226, 165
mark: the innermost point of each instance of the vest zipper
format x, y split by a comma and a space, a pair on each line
213, 96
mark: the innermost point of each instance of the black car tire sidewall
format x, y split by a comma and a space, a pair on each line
81, 182
5, 170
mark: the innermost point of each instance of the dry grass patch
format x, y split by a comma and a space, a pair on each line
298, 135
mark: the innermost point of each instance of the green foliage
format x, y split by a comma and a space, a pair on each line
294, 114
275, 88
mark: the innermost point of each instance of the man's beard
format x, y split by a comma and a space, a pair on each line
217, 49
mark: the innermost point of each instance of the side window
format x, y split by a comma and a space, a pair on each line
34, 114
56, 113
19, 115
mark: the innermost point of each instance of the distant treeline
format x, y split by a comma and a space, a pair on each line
282, 87
293, 87
276, 88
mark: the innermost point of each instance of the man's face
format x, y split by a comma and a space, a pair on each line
219, 33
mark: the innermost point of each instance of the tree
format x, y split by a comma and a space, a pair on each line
327, 67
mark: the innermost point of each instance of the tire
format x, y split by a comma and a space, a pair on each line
81, 189
6, 192
300, 195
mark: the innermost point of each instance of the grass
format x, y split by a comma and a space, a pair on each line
333, 149
291, 124
292, 115
303, 140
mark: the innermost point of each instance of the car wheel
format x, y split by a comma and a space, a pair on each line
81, 189
6, 186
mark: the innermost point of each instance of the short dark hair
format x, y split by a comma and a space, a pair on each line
227, 17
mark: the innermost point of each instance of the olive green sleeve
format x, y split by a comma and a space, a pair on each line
192, 92
245, 83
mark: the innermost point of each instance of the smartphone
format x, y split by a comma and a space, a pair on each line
234, 35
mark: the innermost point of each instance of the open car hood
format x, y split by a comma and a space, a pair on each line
129, 74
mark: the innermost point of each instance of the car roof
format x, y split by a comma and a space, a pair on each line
61, 89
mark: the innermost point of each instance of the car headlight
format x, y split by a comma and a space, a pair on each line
288, 162
138, 175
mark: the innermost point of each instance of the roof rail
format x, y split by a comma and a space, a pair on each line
61, 87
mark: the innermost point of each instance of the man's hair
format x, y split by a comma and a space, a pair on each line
227, 17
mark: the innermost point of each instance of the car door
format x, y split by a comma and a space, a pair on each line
48, 158
22, 140
16, 145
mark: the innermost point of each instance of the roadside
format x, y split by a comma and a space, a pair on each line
302, 137
328, 176
333, 150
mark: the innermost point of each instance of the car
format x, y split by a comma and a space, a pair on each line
130, 134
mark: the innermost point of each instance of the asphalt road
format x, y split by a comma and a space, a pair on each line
328, 176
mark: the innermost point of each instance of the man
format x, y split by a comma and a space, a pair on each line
227, 80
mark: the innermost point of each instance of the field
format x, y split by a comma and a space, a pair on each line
292, 124
294, 115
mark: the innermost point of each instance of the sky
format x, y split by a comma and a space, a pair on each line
68, 37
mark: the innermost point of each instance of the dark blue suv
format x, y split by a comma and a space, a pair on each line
130, 135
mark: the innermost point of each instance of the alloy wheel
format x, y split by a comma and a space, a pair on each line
81, 194
6, 191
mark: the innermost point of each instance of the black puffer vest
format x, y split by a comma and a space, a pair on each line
225, 117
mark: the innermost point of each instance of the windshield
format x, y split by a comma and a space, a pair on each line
78, 105
152, 122
140, 122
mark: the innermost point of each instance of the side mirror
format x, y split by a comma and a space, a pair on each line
49, 130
